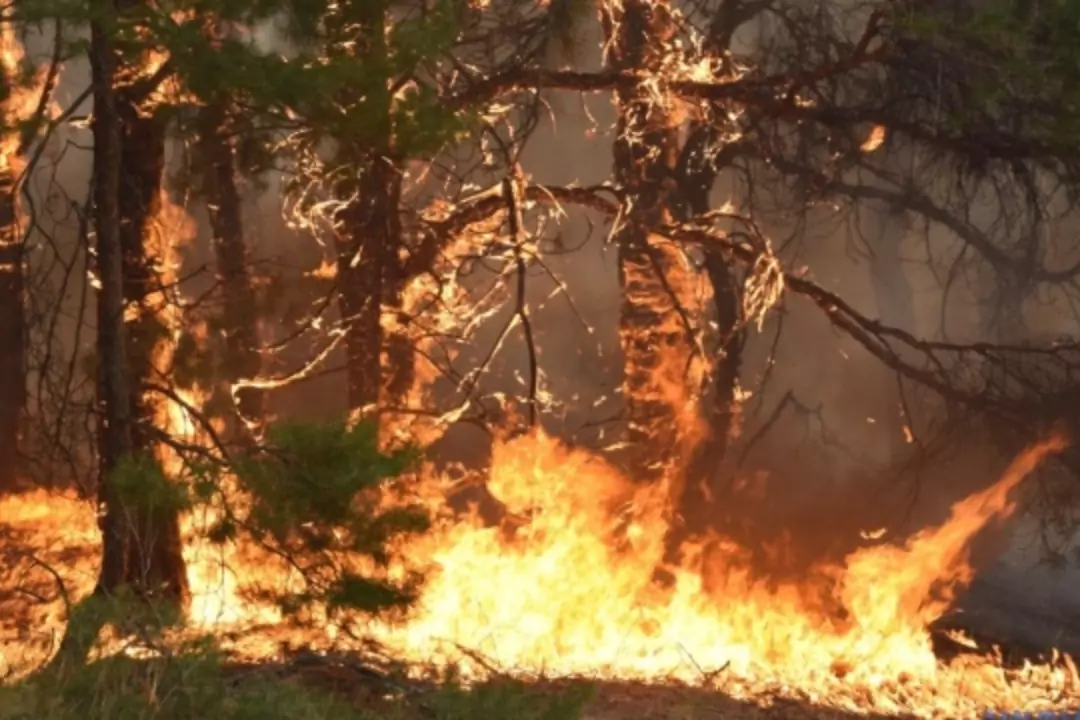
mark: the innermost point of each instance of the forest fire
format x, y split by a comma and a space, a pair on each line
572, 592
366, 432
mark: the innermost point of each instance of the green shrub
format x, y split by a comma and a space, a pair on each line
188, 685
313, 492
192, 683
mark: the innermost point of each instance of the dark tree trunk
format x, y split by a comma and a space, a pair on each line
12, 331
114, 390
240, 354
142, 543
368, 272
369, 239
154, 546
699, 164
645, 154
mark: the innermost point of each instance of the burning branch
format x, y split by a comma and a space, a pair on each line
748, 247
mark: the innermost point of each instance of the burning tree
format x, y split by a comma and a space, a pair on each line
825, 108
11, 288
25, 97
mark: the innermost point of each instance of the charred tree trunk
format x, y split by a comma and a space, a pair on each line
369, 243
645, 154
155, 563
114, 390
142, 543
12, 330
240, 355
699, 165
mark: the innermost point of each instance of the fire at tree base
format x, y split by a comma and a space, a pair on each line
571, 592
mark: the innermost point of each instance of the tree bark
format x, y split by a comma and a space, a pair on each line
154, 547
12, 277
142, 542
114, 391
367, 244
699, 165
368, 272
240, 355
12, 331
645, 153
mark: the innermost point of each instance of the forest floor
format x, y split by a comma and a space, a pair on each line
607, 701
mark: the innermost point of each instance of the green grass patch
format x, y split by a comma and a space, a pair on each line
198, 683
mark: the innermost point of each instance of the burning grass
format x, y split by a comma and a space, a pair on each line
569, 589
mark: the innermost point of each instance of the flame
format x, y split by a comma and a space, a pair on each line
22, 100
875, 139
572, 591
215, 590
19, 106
174, 229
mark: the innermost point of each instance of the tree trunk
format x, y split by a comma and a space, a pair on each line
142, 543
12, 330
154, 546
12, 308
369, 243
240, 355
114, 391
369, 239
644, 158
698, 168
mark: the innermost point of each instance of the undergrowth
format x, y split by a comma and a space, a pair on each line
197, 683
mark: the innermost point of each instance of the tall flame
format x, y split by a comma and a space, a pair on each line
574, 591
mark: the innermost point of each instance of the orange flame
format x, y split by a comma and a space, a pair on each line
568, 595
572, 590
